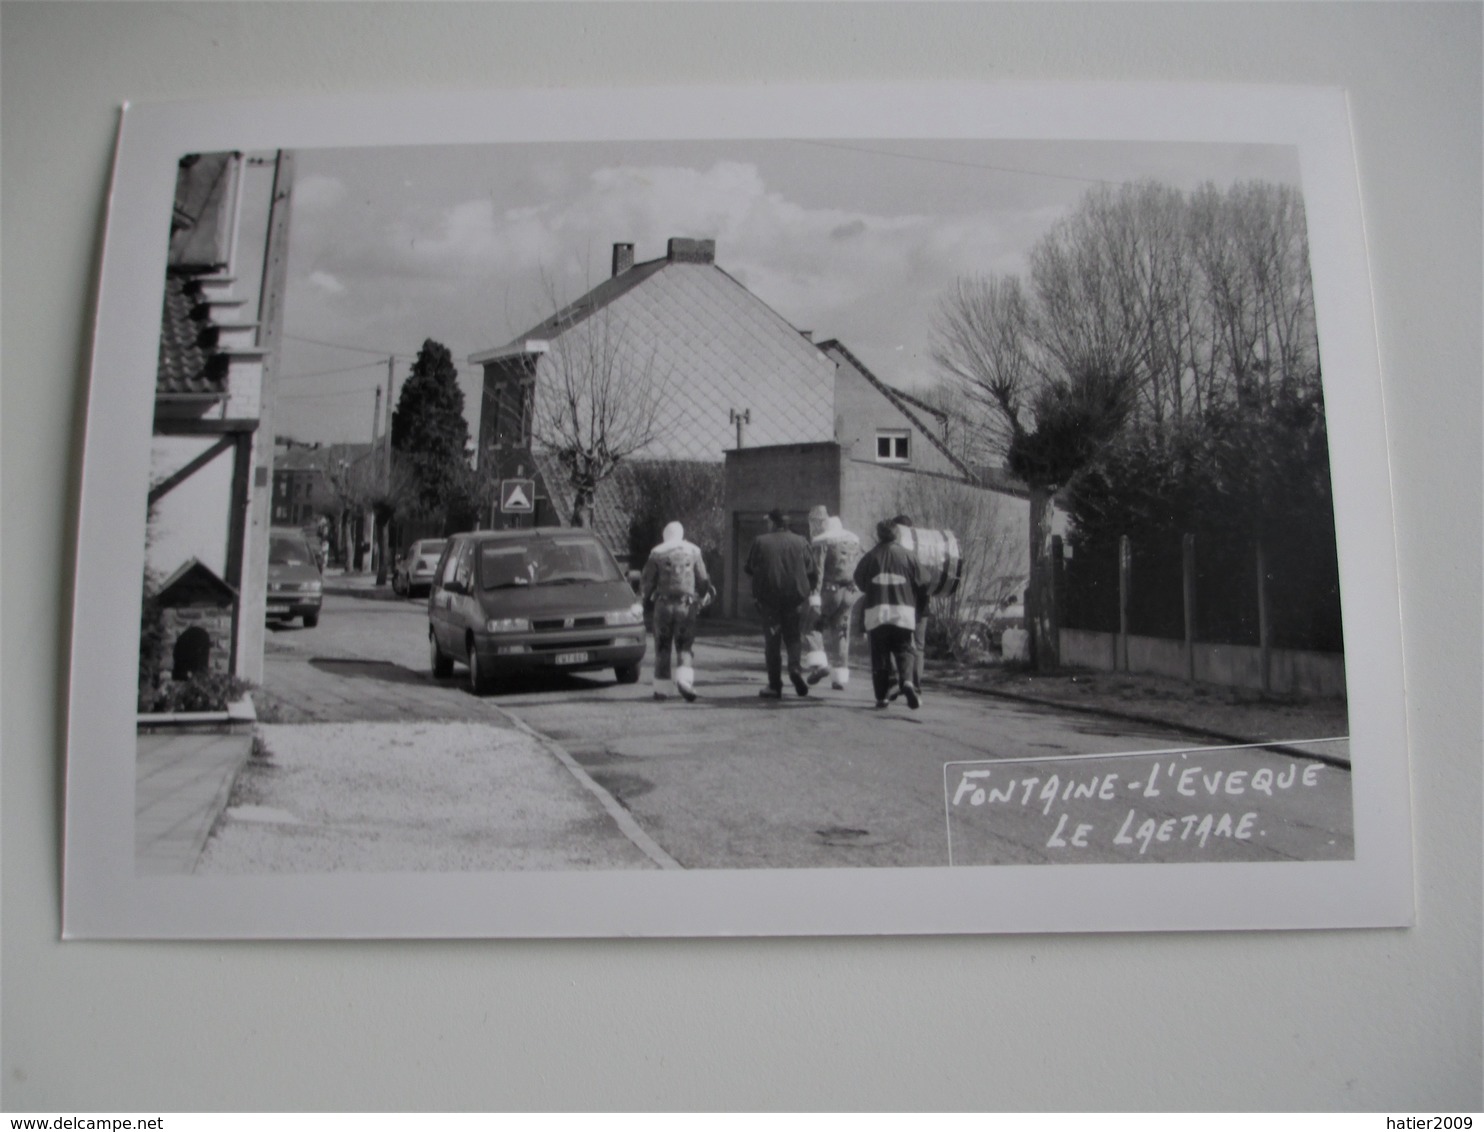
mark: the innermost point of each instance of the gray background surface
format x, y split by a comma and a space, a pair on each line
1368, 1020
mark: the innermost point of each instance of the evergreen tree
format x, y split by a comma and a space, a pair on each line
428, 427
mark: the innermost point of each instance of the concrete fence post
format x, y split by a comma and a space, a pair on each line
1125, 578
1187, 574
1264, 620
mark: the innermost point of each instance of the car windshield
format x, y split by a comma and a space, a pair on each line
545, 562
430, 549
288, 550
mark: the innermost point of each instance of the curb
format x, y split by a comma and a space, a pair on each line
1146, 720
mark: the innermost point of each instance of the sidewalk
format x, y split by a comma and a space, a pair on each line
362, 585
182, 781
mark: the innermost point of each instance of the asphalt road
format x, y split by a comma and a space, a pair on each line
733, 781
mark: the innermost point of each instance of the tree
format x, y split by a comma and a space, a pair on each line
1053, 395
386, 491
598, 399
1156, 332
428, 427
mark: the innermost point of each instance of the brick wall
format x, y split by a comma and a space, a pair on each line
216, 620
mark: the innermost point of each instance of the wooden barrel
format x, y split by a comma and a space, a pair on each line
938, 558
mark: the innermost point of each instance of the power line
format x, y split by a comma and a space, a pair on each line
343, 346
317, 396
961, 164
328, 372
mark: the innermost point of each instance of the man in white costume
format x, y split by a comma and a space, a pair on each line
836, 551
675, 582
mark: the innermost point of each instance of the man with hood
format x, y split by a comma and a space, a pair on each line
836, 552
888, 577
675, 582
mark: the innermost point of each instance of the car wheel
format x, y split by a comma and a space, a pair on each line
479, 681
311, 620
399, 587
627, 673
442, 665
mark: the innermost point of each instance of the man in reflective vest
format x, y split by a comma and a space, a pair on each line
836, 553
676, 583
889, 579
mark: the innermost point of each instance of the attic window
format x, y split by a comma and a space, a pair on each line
892, 446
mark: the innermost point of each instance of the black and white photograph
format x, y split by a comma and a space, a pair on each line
825, 526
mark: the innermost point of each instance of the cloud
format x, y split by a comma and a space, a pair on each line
326, 282
317, 192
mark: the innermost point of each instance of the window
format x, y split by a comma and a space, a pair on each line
892, 447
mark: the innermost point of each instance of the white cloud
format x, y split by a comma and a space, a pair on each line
327, 282
317, 192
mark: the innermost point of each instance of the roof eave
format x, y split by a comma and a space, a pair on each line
521, 347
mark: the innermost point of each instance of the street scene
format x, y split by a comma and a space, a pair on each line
374, 764
702, 506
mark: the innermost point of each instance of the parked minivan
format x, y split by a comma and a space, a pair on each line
295, 585
532, 600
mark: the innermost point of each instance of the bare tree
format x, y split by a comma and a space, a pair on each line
369, 483
599, 400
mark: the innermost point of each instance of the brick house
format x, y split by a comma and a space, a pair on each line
210, 457
787, 422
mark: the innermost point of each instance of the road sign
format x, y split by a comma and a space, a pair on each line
517, 497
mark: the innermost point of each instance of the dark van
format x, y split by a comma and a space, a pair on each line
533, 600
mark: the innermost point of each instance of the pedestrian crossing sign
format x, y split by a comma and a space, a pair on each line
517, 497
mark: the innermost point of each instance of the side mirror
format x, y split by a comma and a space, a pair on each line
453, 586
635, 578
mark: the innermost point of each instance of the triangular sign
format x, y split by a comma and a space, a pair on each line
515, 496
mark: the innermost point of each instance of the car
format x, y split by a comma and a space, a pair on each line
1010, 614
532, 600
295, 585
413, 572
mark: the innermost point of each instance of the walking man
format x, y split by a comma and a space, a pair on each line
836, 554
816, 663
783, 577
889, 579
675, 582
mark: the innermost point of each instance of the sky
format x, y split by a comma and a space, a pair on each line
855, 240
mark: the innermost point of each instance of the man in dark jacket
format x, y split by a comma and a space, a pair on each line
783, 576
888, 577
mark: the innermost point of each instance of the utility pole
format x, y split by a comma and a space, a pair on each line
391, 365
253, 600
376, 416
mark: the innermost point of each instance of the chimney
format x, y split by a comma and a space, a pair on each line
681, 250
623, 258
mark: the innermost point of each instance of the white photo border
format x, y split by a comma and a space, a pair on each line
104, 898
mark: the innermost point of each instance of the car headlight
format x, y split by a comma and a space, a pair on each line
313, 587
633, 615
507, 625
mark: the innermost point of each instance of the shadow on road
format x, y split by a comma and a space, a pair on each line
382, 670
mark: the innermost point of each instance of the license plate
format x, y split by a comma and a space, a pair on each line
278, 607
570, 658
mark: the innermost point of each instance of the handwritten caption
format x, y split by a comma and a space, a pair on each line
1221, 804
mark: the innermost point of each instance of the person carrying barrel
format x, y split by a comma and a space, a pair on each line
675, 582
836, 552
888, 577
919, 632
